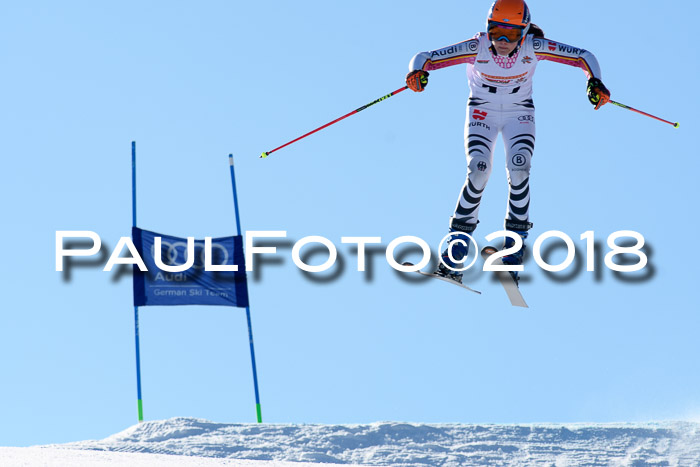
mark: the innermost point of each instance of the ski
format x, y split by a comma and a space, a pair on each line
444, 279
506, 280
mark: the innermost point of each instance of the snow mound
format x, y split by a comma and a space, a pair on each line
408, 444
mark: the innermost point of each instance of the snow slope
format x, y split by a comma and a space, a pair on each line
61, 457
660, 444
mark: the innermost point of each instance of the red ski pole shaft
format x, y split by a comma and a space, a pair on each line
265, 154
675, 125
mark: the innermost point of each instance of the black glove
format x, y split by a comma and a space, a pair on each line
598, 94
417, 80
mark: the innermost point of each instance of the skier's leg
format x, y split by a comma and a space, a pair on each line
480, 132
519, 140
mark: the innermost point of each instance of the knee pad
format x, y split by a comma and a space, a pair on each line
479, 170
518, 168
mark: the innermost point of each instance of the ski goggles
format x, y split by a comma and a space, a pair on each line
500, 31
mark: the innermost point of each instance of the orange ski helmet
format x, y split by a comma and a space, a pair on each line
514, 13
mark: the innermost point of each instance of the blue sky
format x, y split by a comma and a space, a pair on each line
191, 83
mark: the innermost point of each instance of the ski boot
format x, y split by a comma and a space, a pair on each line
515, 259
460, 250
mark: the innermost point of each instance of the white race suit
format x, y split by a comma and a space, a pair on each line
500, 100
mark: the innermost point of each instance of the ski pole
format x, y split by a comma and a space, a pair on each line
265, 154
675, 125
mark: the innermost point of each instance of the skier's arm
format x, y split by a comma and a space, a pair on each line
553, 51
421, 63
464, 52
546, 49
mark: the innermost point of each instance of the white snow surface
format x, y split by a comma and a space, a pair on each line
61, 457
193, 442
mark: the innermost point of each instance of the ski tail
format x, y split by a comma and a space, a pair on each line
506, 279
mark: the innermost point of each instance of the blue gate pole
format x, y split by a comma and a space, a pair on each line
258, 410
136, 309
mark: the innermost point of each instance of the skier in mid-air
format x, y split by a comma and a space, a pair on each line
500, 66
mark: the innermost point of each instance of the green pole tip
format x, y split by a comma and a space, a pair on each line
258, 411
676, 125
264, 155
